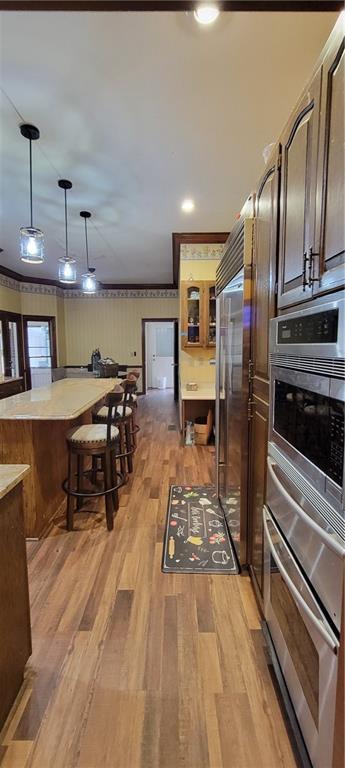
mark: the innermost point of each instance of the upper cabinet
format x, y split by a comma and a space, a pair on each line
312, 226
198, 321
328, 267
264, 266
298, 198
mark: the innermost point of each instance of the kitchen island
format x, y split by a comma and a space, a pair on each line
33, 428
15, 630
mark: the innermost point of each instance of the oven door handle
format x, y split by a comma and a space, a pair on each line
328, 637
326, 537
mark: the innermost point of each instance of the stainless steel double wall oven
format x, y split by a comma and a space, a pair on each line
304, 515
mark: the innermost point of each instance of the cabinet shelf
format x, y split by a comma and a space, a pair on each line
203, 309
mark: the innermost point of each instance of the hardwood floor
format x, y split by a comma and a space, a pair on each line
132, 668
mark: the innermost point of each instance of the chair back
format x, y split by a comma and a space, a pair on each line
129, 388
112, 401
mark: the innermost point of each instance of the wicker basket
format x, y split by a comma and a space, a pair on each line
108, 370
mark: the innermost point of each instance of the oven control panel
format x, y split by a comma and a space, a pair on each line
318, 328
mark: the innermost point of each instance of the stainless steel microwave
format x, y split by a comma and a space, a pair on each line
307, 399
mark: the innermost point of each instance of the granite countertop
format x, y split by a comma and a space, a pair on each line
10, 476
9, 379
63, 400
204, 392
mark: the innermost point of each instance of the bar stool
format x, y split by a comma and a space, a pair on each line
122, 419
133, 376
100, 442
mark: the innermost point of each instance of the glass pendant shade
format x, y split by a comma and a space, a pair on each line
67, 270
67, 265
88, 279
89, 283
31, 245
31, 238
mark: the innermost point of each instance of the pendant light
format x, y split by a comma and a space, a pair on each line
67, 265
31, 238
89, 282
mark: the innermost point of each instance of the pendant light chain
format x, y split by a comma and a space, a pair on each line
30, 164
87, 247
66, 234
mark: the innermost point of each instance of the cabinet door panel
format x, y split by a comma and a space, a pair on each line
192, 314
331, 170
257, 486
264, 267
298, 197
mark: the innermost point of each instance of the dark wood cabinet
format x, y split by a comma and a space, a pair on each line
264, 267
257, 485
15, 631
329, 266
264, 277
11, 387
298, 197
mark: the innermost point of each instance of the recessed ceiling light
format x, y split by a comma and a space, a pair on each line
206, 14
188, 205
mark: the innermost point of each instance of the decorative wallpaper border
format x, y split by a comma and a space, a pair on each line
75, 293
190, 251
124, 293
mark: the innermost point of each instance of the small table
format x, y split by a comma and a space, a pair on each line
195, 403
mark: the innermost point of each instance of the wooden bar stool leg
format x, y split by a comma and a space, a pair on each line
107, 484
80, 466
129, 445
94, 470
115, 494
70, 499
122, 450
133, 436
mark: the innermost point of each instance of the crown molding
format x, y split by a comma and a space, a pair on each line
168, 5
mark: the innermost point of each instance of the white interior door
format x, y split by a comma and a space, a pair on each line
39, 353
159, 355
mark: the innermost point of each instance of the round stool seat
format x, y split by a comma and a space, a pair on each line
103, 412
91, 434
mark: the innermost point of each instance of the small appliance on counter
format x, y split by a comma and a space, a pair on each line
108, 368
95, 358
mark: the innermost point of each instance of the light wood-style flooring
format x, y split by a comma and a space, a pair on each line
132, 668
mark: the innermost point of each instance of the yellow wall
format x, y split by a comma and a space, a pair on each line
194, 363
113, 325
10, 300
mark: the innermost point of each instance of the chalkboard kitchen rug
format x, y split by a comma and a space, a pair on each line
196, 537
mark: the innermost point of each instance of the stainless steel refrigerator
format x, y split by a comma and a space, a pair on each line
232, 381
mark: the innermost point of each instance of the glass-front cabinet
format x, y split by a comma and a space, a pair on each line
210, 289
198, 314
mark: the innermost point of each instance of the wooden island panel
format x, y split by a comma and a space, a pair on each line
40, 441
15, 631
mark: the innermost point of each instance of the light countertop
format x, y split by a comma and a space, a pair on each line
9, 379
204, 392
63, 400
10, 476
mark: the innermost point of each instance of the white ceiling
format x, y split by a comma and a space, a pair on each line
140, 110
